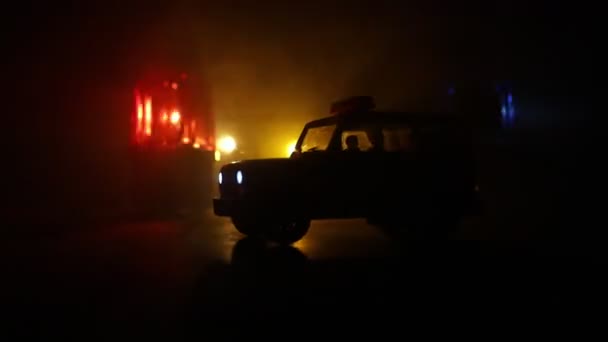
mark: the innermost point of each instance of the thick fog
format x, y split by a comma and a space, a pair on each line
270, 67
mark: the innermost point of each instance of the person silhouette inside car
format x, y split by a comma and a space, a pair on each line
352, 143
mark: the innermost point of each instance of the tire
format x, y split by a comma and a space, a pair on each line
287, 232
247, 226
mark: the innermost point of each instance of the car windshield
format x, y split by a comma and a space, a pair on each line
317, 138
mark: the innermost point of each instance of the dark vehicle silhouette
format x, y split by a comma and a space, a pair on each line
397, 169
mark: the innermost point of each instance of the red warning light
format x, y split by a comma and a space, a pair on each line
174, 85
148, 116
139, 107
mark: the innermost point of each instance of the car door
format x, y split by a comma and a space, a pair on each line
317, 170
356, 166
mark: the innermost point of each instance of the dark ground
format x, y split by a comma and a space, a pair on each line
200, 278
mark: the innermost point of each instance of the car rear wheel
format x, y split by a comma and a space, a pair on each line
287, 232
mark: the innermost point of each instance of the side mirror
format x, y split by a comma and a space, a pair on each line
294, 155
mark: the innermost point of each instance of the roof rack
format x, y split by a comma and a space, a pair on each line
353, 103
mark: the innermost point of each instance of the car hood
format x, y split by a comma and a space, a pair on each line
262, 176
258, 166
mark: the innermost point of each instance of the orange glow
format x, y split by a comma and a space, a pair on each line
291, 147
175, 117
148, 115
186, 140
174, 85
196, 145
164, 117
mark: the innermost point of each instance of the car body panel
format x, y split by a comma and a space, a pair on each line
331, 182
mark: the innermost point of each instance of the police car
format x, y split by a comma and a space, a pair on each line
397, 169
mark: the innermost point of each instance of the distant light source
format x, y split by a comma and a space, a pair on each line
218, 156
196, 145
174, 85
148, 115
291, 147
226, 144
507, 110
186, 140
175, 117
140, 114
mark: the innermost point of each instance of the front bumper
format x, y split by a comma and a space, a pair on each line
224, 207
282, 207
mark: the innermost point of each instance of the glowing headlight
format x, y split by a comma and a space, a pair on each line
239, 177
220, 178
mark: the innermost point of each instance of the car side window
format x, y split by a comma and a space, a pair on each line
398, 139
317, 138
356, 140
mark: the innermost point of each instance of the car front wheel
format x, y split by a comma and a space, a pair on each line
247, 226
287, 232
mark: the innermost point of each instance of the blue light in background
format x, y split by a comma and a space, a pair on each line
507, 110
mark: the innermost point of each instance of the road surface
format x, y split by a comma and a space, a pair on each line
197, 277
